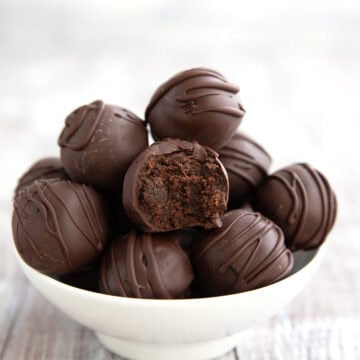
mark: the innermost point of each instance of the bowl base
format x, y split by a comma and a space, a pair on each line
144, 351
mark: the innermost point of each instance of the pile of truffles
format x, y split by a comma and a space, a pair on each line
193, 214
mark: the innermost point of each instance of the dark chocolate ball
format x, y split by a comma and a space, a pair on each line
196, 105
248, 252
48, 168
98, 144
175, 184
247, 164
300, 200
144, 265
59, 226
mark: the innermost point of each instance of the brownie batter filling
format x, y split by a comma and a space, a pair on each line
182, 190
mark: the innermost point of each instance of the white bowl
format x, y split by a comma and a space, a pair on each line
191, 329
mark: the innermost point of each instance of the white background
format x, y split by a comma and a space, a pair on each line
297, 65
298, 68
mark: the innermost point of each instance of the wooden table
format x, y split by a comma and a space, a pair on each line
299, 72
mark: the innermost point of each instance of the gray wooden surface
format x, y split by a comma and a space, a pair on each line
299, 73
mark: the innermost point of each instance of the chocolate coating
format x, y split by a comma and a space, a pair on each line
98, 144
247, 164
195, 105
144, 265
175, 184
59, 226
300, 200
248, 252
48, 168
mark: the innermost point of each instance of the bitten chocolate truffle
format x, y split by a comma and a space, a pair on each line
247, 164
300, 200
59, 226
144, 265
175, 184
48, 168
248, 252
196, 105
98, 144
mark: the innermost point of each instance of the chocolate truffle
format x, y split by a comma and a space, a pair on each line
59, 226
300, 200
247, 164
175, 184
198, 104
248, 252
48, 168
144, 265
98, 144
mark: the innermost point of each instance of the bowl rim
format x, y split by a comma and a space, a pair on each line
128, 301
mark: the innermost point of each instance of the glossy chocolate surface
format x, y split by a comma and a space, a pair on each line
196, 105
98, 144
246, 163
144, 265
301, 201
246, 253
48, 168
59, 226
